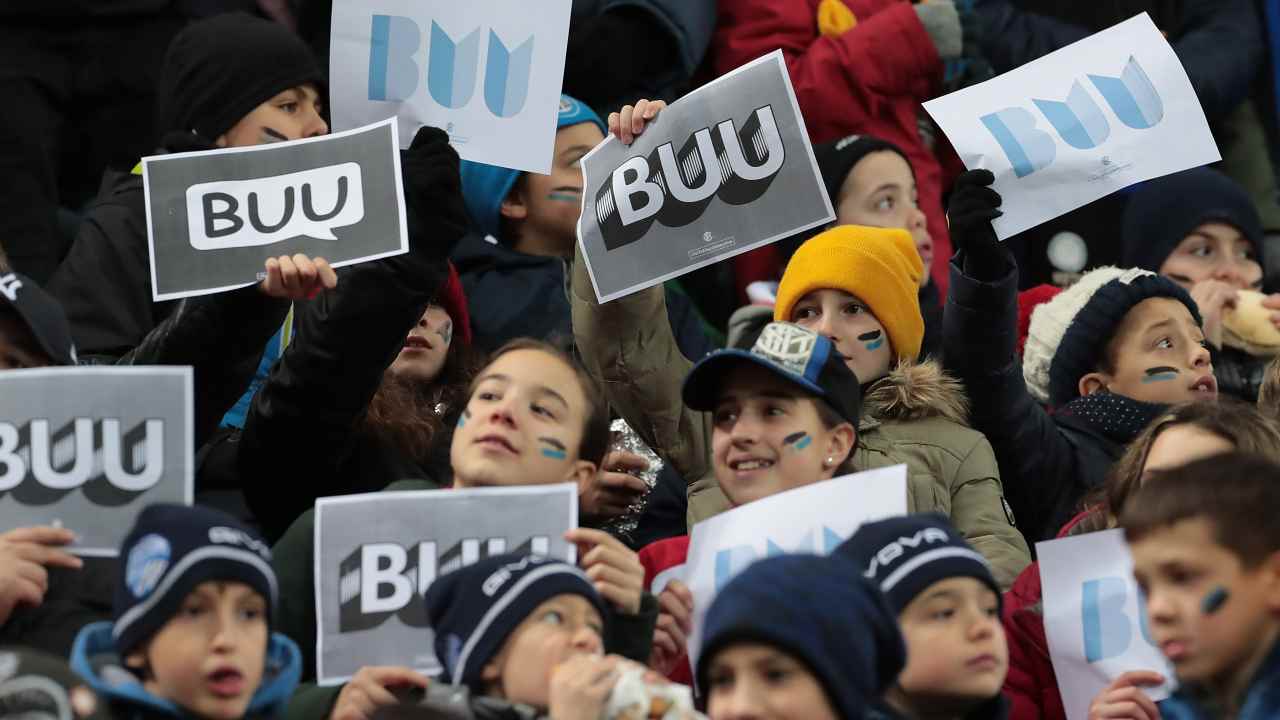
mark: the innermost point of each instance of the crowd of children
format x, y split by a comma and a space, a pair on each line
1141, 398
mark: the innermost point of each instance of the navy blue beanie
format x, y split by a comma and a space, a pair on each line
484, 187
473, 610
1162, 212
172, 549
820, 611
1085, 340
904, 555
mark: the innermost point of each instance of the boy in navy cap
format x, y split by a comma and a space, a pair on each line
191, 637
798, 636
948, 606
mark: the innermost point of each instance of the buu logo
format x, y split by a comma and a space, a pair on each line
675, 188
1109, 631
731, 561
1079, 121
41, 464
379, 580
452, 66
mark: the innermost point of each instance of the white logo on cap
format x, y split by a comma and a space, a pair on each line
787, 345
9, 285
222, 535
146, 565
1132, 274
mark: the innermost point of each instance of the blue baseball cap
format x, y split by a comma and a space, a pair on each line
484, 187
795, 354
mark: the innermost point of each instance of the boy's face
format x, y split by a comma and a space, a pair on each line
426, 347
291, 115
880, 191
523, 424
767, 437
1178, 566
1160, 356
956, 649
548, 206
1214, 251
751, 680
210, 657
847, 321
564, 626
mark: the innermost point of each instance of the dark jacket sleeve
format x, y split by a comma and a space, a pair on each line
302, 423
1038, 464
221, 337
631, 636
687, 326
1012, 36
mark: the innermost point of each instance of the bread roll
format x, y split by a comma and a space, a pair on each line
1248, 325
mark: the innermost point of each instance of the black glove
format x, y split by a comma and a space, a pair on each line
434, 210
179, 141
973, 206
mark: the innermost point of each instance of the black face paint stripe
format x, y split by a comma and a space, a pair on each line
553, 443
793, 438
867, 336
275, 134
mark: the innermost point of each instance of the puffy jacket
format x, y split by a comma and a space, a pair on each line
1218, 41
1261, 700
915, 416
1048, 463
871, 80
512, 294
294, 561
1239, 374
95, 659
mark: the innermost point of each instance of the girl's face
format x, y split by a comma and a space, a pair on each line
751, 680
1214, 251
291, 115
523, 424
768, 437
426, 347
880, 191
1180, 444
847, 321
564, 626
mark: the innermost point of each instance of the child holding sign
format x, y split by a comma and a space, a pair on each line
1206, 553
1109, 354
532, 417
195, 601
948, 607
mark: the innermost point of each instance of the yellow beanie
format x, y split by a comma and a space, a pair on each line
879, 266
835, 18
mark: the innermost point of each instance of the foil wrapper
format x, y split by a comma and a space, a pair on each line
626, 439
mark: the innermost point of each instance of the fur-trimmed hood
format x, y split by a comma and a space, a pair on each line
916, 391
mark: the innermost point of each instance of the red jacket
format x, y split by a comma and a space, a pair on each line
870, 80
657, 558
1031, 686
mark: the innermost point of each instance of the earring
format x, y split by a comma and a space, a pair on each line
830, 461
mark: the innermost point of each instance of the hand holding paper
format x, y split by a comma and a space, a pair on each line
1124, 698
298, 277
614, 569
24, 555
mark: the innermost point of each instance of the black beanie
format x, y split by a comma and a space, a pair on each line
219, 69
171, 550
837, 159
1087, 335
1162, 212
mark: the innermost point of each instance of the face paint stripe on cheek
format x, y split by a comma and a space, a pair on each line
446, 331
1163, 373
273, 136
873, 339
464, 417
554, 450
564, 195
798, 441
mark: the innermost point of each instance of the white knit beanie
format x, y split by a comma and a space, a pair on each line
1049, 321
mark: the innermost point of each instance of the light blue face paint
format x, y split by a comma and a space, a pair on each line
567, 197
1160, 374
798, 441
462, 419
554, 450
873, 339
554, 454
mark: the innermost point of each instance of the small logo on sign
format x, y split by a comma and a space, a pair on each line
1106, 160
707, 237
146, 565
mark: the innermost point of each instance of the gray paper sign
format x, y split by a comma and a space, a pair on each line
214, 217
377, 553
725, 169
88, 448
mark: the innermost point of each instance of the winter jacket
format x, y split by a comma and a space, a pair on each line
870, 80
997, 708
95, 659
1048, 463
1239, 374
1218, 41
319, 390
914, 416
1261, 701
294, 561
512, 294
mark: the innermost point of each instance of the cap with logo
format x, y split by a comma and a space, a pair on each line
795, 354
171, 550
473, 610
42, 314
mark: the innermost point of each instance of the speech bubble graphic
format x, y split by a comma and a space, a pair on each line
262, 211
